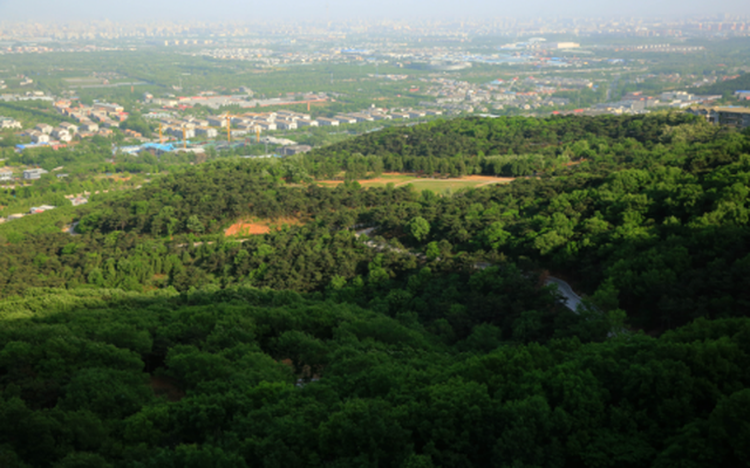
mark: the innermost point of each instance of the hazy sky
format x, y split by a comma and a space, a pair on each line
338, 9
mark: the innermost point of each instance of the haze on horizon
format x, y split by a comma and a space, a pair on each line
293, 10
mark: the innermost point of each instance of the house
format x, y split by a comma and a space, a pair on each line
381, 116
9, 123
220, 121
99, 116
294, 149
362, 117
40, 209
109, 108
16, 216
89, 127
326, 122
401, 115
345, 119
60, 134
307, 123
738, 117
289, 115
44, 128
240, 121
433, 112
267, 125
32, 174
39, 137
182, 132
69, 127
286, 124
6, 175
208, 132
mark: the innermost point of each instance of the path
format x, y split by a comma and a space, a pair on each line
571, 299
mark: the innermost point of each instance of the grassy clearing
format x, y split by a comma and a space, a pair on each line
436, 185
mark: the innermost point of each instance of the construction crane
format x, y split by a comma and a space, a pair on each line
184, 139
161, 136
229, 129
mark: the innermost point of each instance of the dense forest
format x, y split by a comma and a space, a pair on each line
382, 326
247, 377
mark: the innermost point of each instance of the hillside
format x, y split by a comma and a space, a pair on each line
382, 325
245, 377
742, 82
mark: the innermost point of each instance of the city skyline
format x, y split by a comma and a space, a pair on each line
234, 10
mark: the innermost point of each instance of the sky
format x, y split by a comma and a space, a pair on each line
288, 10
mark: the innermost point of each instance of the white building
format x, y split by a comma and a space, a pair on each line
208, 132
69, 127
31, 174
89, 127
44, 128
39, 137
307, 123
326, 122
9, 123
345, 119
61, 134
6, 175
286, 125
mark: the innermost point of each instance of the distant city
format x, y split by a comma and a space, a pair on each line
184, 33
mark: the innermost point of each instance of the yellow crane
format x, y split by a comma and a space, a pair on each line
229, 129
161, 136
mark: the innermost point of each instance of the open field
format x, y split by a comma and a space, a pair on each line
421, 183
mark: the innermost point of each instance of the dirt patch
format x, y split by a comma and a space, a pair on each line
247, 229
167, 387
258, 227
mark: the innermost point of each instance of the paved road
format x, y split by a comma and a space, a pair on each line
572, 300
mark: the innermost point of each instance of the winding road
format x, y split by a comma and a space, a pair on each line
571, 299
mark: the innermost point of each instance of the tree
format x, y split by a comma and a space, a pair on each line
194, 224
419, 228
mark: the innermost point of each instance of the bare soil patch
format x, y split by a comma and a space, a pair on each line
259, 226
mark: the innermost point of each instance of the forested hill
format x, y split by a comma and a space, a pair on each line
492, 146
250, 378
428, 339
657, 227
